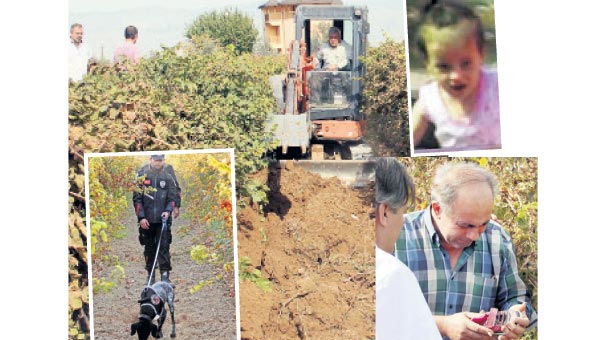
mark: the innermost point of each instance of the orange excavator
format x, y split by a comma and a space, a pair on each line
319, 116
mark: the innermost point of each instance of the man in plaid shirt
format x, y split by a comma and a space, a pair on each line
464, 261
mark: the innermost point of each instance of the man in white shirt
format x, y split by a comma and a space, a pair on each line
402, 312
78, 53
334, 55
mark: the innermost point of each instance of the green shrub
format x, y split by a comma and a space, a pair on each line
172, 102
385, 99
194, 97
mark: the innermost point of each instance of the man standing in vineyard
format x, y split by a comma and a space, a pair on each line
79, 53
402, 312
128, 50
155, 201
464, 260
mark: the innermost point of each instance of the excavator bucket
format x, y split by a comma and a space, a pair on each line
354, 173
291, 130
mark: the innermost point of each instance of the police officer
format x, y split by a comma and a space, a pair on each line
171, 171
151, 206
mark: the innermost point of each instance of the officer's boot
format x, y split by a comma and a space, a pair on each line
165, 277
153, 277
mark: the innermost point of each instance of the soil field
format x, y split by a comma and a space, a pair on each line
315, 243
209, 313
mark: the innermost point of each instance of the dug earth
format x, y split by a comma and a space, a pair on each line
313, 244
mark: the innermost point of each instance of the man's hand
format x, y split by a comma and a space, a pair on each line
176, 212
517, 326
165, 215
144, 224
460, 327
314, 61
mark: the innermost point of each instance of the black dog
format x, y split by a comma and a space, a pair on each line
152, 309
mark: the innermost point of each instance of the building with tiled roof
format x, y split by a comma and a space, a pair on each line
280, 20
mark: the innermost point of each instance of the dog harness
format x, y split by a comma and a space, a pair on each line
151, 304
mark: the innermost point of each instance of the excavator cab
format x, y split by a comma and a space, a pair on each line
334, 95
331, 91
320, 104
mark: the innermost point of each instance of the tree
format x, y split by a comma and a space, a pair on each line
228, 27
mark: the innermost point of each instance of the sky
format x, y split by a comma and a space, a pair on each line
164, 22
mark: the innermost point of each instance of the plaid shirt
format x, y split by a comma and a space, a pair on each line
473, 285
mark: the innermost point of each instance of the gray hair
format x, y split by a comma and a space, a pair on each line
393, 185
74, 25
451, 176
334, 30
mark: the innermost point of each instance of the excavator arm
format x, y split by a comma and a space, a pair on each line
293, 126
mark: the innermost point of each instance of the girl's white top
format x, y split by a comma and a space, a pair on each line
482, 129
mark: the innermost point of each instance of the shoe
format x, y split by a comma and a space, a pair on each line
165, 278
153, 277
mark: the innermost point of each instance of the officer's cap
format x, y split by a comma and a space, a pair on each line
157, 157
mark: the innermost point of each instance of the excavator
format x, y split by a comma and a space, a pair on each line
319, 114
319, 124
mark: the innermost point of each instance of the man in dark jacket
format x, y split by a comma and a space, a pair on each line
171, 171
156, 201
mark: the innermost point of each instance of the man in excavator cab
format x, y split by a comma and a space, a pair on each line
336, 54
319, 96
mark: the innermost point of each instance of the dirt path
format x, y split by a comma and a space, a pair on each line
209, 313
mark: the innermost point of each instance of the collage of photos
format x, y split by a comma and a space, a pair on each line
289, 169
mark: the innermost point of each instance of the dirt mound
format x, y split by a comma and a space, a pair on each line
315, 243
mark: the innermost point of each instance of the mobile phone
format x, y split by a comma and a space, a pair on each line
496, 320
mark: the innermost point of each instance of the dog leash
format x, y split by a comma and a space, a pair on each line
151, 273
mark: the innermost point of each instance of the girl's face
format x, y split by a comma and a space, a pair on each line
456, 62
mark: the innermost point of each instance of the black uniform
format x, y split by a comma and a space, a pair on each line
171, 171
150, 206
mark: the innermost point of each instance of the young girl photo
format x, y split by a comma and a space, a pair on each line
456, 96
